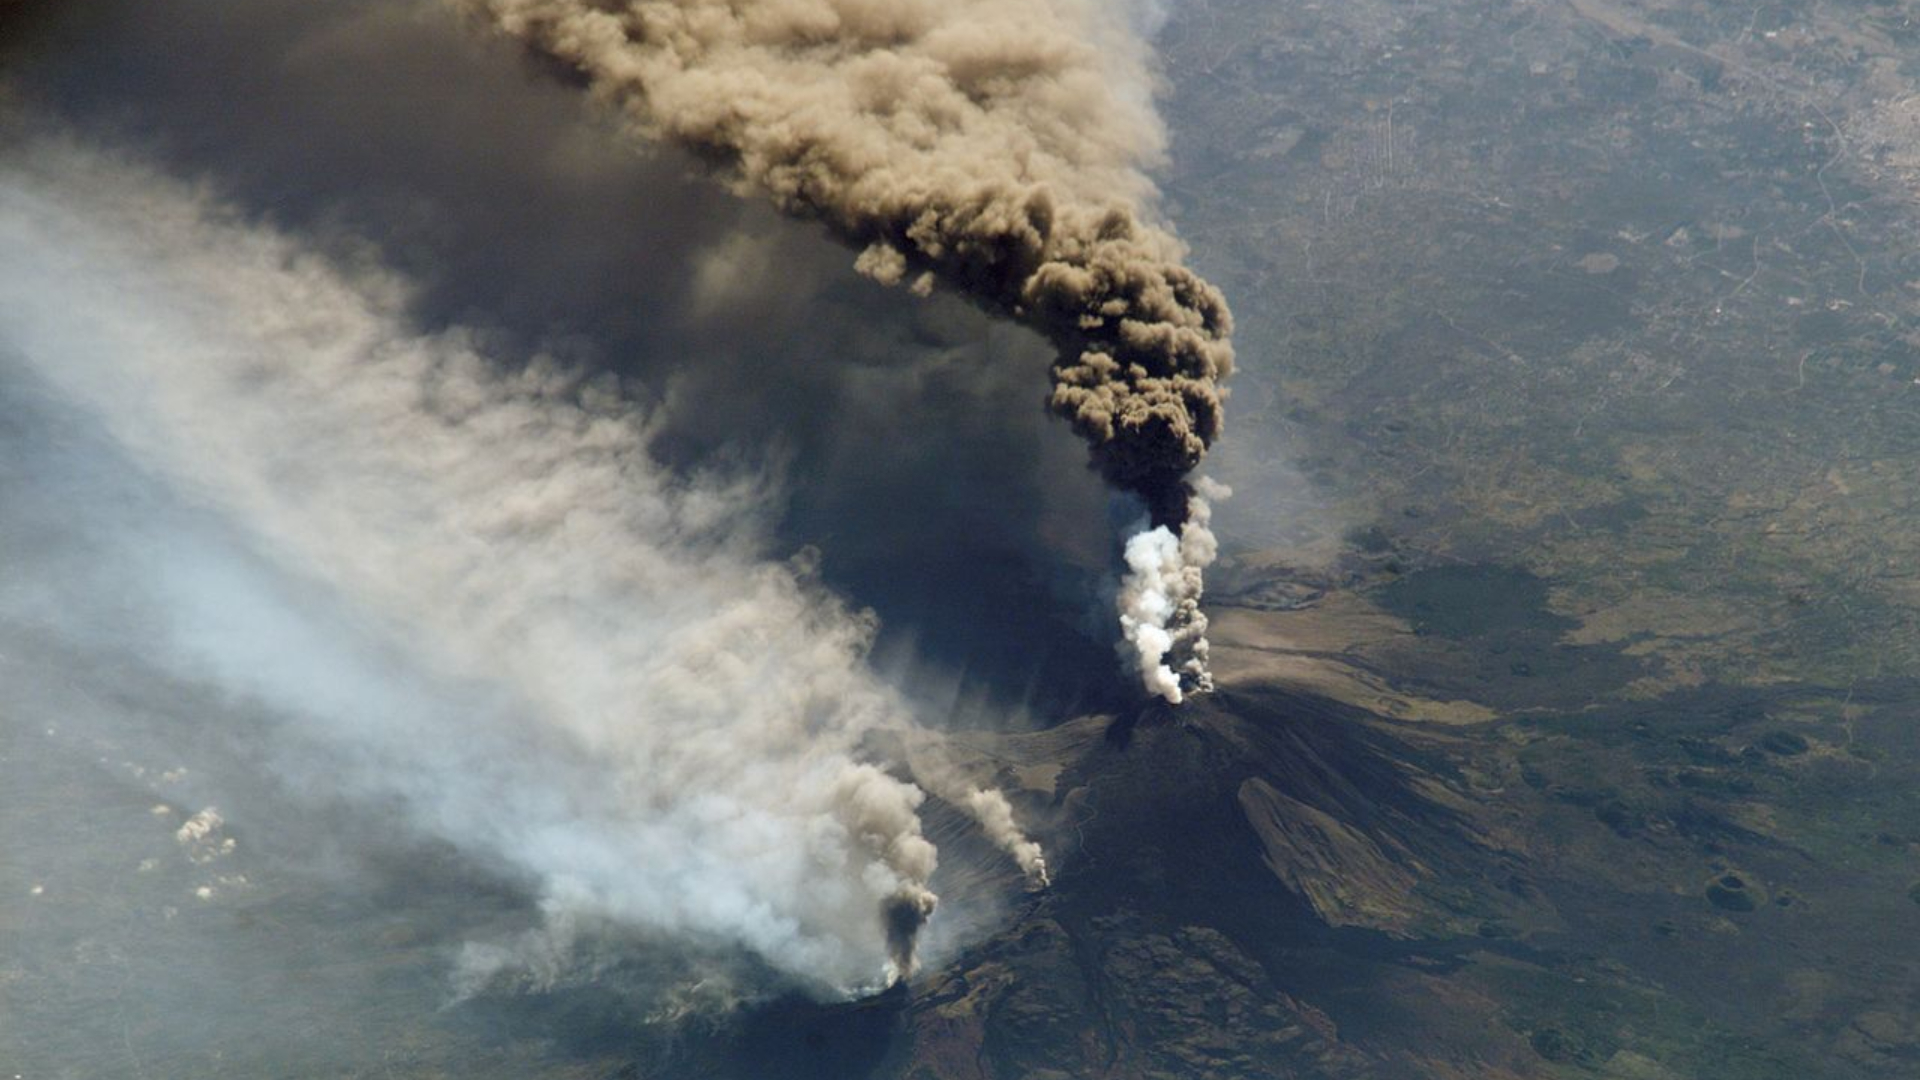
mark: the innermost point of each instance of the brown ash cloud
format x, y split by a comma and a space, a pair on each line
989, 146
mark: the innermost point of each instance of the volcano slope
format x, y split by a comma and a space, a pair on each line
1318, 872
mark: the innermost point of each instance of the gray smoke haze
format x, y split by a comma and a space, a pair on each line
550, 650
981, 144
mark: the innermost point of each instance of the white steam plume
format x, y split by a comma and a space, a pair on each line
1164, 629
556, 655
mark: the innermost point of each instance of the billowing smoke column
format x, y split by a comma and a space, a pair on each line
995, 146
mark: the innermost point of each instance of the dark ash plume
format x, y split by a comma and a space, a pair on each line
903, 914
993, 146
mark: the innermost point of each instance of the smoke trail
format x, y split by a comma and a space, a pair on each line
995, 815
990, 145
555, 654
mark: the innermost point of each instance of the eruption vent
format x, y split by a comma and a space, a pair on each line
996, 146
